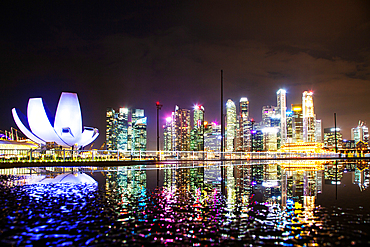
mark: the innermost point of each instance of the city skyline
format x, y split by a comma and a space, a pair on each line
134, 54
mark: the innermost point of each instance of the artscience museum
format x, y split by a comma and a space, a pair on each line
65, 128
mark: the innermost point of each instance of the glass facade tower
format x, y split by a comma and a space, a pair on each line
309, 118
230, 125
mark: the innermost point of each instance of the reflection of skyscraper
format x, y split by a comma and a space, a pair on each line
309, 118
281, 107
230, 125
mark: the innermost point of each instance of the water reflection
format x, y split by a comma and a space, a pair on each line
265, 203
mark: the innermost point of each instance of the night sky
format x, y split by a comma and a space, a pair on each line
134, 53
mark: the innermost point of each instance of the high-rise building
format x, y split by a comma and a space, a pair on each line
197, 132
360, 133
212, 137
297, 123
318, 131
281, 108
329, 138
120, 132
181, 129
309, 118
168, 134
230, 125
270, 138
244, 125
289, 126
268, 112
123, 128
139, 130
111, 129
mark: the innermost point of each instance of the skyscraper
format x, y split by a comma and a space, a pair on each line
244, 125
197, 133
318, 131
268, 112
360, 133
212, 138
309, 118
123, 137
126, 131
297, 123
110, 131
281, 108
168, 134
181, 129
230, 125
139, 132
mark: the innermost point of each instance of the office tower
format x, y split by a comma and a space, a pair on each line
281, 108
168, 134
270, 138
139, 130
309, 119
329, 138
268, 112
197, 133
289, 126
126, 131
181, 129
244, 125
110, 131
360, 133
297, 123
258, 140
212, 137
318, 132
230, 125
123, 128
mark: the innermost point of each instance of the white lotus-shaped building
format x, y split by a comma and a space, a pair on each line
65, 129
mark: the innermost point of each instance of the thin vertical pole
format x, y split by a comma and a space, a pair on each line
222, 133
335, 132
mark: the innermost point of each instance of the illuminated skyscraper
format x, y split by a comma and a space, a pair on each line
123, 125
244, 125
110, 136
289, 126
268, 112
360, 133
168, 134
126, 131
212, 138
230, 125
318, 131
181, 129
139, 133
281, 108
197, 133
297, 123
329, 138
309, 118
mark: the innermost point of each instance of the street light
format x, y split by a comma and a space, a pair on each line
159, 106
